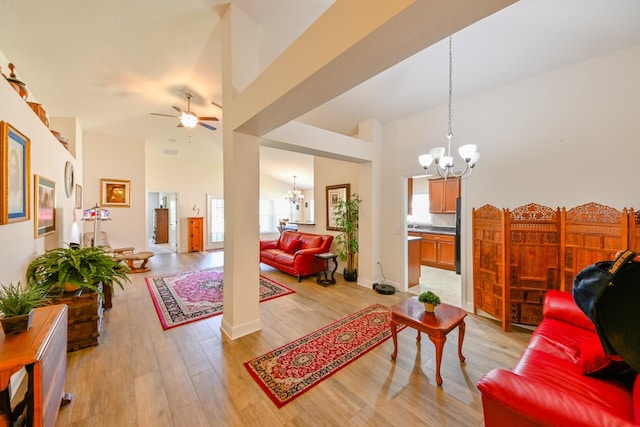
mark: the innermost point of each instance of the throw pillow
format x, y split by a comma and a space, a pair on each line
594, 361
293, 246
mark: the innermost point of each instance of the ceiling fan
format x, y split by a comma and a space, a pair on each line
188, 119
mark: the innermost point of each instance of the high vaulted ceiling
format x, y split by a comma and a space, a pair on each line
113, 63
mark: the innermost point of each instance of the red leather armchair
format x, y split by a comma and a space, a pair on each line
549, 386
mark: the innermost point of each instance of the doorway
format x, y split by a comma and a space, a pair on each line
444, 281
162, 222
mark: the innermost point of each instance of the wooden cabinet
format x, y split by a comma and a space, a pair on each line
439, 250
414, 245
161, 234
42, 351
443, 194
196, 234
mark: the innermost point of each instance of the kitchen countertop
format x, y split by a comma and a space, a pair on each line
432, 229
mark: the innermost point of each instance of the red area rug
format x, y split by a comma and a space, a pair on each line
189, 296
288, 371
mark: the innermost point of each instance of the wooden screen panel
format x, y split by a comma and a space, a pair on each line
591, 232
634, 230
488, 263
533, 248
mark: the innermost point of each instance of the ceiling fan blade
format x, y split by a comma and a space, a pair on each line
177, 109
164, 115
180, 125
206, 126
209, 119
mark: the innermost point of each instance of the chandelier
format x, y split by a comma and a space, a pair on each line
444, 164
294, 196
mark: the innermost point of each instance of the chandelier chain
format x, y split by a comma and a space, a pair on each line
449, 134
441, 156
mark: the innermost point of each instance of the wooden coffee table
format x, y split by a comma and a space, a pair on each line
437, 325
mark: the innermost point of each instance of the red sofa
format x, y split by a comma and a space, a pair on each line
563, 377
294, 252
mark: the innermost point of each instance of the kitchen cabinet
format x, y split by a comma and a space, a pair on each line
439, 250
443, 194
414, 244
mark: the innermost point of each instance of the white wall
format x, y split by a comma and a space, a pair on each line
109, 157
18, 246
564, 138
331, 172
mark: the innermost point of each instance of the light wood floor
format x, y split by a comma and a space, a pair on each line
140, 375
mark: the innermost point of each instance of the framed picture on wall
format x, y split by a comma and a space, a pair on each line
78, 204
15, 164
115, 193
45, 203
335, 193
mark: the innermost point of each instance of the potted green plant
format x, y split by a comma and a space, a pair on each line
16, 304
346, 214
430, 300
69, 269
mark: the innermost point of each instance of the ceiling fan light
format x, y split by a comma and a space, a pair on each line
188, 120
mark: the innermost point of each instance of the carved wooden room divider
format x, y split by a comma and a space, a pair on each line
488, 262
519, 255
533, 248
591, 233
634, 230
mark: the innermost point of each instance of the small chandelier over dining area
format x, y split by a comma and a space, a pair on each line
295, 195
443, 164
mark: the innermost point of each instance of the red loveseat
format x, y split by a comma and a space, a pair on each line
563, 377
294, 252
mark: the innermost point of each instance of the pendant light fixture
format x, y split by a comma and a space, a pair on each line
295, 195
444, 163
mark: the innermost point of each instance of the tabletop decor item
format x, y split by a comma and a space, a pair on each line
16, 304
430, 300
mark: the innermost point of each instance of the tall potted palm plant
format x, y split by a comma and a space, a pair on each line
346, 214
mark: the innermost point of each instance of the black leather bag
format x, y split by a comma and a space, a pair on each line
608, 292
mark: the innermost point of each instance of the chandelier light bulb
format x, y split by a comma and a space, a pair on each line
425, 160
467, 152
437, 153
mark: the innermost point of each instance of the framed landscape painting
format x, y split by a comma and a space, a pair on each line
15, 164
45, 203
334, 194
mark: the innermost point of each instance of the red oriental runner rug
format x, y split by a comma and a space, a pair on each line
288, 371
189, 296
